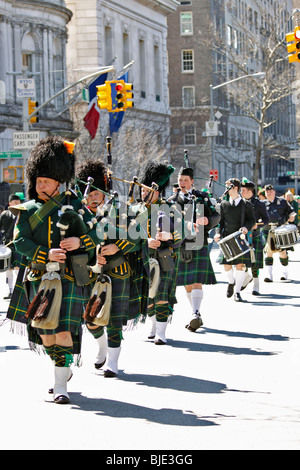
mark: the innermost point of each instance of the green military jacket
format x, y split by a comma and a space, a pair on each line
36, 232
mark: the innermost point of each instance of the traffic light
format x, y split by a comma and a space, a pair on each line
9, 174
293, 48
104, 96
124, 95
32, 105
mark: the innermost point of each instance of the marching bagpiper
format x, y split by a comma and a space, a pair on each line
57, 246
121, 259
195, 267
163, 241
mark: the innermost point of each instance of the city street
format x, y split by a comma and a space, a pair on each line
234, 384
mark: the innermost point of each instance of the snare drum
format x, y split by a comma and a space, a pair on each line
5, 258
234, 245
285, 236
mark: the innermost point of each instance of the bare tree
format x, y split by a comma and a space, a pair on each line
256, 42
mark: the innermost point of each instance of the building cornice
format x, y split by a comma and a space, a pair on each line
42, 5
163, 6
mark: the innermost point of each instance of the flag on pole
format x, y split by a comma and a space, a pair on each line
91, 119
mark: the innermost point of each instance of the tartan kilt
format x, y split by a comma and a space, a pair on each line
244, 259
139, 287
74, 298
198, 270
120, 292
166, 291
258, 246
15, 259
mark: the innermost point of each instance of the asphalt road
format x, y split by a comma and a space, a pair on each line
234, 384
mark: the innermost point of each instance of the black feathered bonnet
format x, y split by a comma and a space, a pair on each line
53, 158
159, 173
94, 169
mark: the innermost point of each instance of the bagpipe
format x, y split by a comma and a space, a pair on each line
97, 310
44, 309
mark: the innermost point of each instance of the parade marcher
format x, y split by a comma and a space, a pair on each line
254, 236
261, 194
195, 267
7, 223
279, 212
120, 259
293, 202
236, 215
162, 242
57, 246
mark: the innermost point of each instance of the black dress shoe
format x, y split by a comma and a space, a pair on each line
195, 323
109, 373
159, 342
8, 297
230, 289
237, 297
255, 292
62, 400
100, 365
267, 279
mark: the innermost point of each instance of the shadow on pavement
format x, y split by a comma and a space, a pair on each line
243, 334
218, 348
119, 409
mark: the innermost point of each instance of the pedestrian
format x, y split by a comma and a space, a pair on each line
7, 224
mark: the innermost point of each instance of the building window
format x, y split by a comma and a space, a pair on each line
58, 67
186, 23
108, 45
142, 68
229, 35
232, 137
187, 60
188, 96
189, 134
157, 73
126, 51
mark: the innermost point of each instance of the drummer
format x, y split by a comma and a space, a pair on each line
237, 214
7, 224
254, 237
279, 212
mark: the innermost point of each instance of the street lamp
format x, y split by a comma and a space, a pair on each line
212, 88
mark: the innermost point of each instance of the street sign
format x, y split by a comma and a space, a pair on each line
10, 155
215, 174
25, 88
85, 94
211, 128
25, 140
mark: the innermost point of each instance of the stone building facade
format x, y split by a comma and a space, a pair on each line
33, 38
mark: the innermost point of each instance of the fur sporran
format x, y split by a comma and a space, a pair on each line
98, 307
44, 309
154, 277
